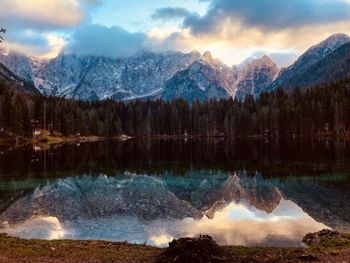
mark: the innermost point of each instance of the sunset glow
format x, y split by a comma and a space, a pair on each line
232, 30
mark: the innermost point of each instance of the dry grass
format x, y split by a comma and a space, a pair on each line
18, 250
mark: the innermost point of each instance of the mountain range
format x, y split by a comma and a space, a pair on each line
191, 76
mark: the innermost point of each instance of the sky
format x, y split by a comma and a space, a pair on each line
233, 30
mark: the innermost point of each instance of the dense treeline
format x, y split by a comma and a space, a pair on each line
320, 110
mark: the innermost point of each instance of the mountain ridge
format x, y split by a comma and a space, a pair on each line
191, 76
287, 78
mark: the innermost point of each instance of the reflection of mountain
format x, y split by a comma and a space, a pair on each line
213, 193
325, 204
145, 197
89, 197
7, 198
251, 191
169, 197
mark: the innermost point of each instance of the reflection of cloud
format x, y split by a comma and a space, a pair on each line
238, 225
36, 227
114, 211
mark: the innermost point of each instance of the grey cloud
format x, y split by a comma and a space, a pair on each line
175, 41
269, 15
105, 41
170, 13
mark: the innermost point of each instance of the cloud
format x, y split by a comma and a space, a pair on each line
44, 14
31, 43
232, 30
281, 58
100, 40
179, 41
170, 13
267, 15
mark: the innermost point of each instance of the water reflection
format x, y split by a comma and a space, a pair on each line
242, 193
234, 209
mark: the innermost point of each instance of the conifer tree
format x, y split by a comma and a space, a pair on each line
6, 111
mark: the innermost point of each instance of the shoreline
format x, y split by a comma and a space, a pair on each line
14, 249
46, 141
51, 140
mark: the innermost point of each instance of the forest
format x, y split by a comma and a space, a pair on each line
313, 112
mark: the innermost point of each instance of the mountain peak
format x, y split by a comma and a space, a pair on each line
255, 76
331, 43
338, 36
196, 54
207, 56
294, 75
264, 60
334, 41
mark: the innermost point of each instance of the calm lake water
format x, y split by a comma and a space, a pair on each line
241, 193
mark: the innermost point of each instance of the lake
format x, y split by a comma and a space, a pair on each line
251, 193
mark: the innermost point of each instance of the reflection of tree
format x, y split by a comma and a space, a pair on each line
2, 31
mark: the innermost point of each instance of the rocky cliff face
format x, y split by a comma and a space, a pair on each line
170, 75
146, 75
335, 66
206, 78
16, 84
95, 78
255, 77
19, 64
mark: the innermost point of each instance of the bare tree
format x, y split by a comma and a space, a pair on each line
2, 30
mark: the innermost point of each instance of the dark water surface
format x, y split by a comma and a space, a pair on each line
241, 193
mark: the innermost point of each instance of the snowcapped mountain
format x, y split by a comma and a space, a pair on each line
255, 76
335, 66
204, 79
293, 76
146, 75
94, 78
169, 75
16, 83
209, 78
18, 64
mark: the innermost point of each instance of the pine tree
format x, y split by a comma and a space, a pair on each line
27, 124
17, 124
6, 111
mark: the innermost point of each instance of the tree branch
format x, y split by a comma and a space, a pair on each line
2, 30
